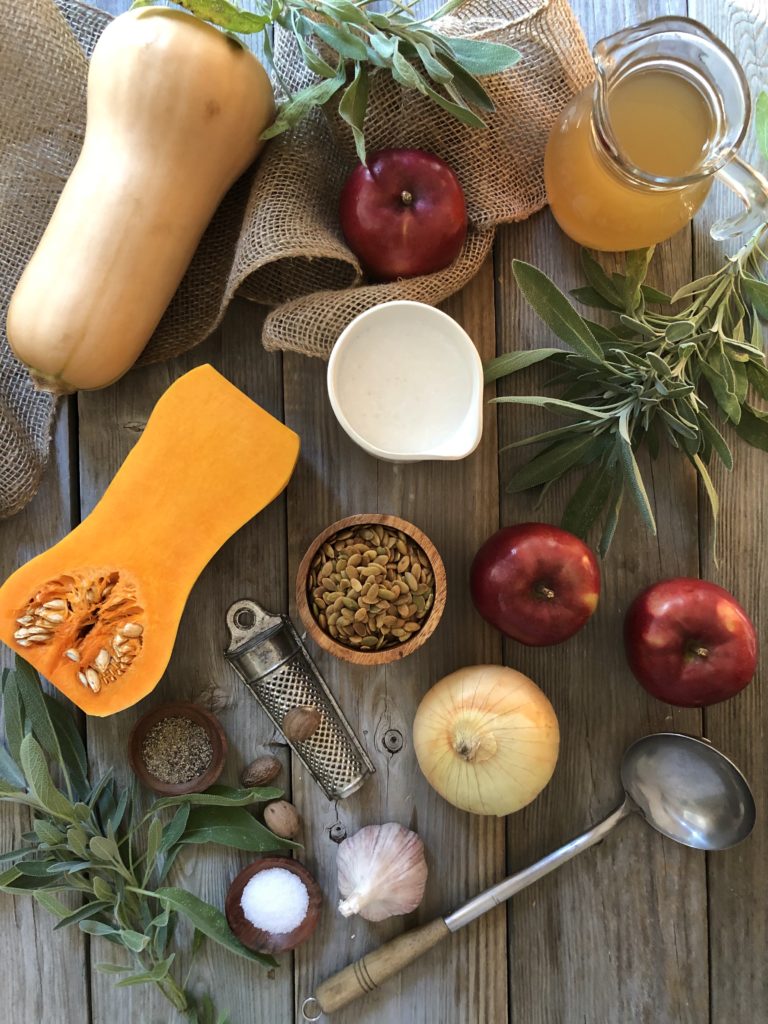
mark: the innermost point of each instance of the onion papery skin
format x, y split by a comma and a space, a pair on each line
487, 739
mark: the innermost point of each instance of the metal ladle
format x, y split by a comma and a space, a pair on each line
682, 786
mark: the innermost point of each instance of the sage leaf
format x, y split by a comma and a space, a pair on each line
132, 940
635, 481
600, 282
679, 330
757, 291
459, 110
709, 487
70, 745
48, 833
41, 784
550, 464
221, 13
654, 296
589, 297
554, 404
231, 826
342, 40
36, 710
107, 968
467, 86
555, 310
436, 70
346, 11
637, 261
13, 716
757, 373
588, 500
761, 123
48, 901
221, 796
352, 105
723, 392
104, 849
753, 427
479, 57
154, 838
612, 520
174, 830
104, 931
158, 972
302, 102
102, 890
83, 913
210, 921
36, 868
511, 362
10, 772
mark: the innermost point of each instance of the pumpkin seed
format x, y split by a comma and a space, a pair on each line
369, 587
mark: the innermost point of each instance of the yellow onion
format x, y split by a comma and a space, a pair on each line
487, 739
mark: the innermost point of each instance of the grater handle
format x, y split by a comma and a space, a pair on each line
366, 974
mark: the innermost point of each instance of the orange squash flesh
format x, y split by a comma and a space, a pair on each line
208, 460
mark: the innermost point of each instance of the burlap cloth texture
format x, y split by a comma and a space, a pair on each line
275, 239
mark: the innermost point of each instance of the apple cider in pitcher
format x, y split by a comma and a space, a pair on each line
632, 157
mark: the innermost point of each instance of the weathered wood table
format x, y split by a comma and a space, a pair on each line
639, 929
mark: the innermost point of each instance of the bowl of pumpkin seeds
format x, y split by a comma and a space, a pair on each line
371, 588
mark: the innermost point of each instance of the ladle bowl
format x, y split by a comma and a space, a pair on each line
687, 790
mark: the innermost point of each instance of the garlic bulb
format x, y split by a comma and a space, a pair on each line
487, 739
382, 872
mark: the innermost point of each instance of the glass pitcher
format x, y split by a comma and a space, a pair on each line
633, 156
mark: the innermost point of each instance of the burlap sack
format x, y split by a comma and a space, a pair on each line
275, 239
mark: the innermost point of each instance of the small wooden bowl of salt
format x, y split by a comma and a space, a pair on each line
273, 905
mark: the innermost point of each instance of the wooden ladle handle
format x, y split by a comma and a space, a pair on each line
370, 971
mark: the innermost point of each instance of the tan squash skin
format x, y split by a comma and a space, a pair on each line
175, 111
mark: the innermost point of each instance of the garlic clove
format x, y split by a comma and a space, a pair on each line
382, 872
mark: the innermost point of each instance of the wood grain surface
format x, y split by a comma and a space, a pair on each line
638, 930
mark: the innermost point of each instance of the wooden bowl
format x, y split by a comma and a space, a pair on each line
385, 655
180, 709
268, 942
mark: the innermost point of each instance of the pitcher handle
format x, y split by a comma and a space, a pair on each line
752, 188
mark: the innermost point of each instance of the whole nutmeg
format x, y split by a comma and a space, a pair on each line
282, 818
261, 771
301, 722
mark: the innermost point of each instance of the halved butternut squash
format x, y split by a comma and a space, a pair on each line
97, 614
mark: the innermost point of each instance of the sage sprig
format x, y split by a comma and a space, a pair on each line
358, 42
97, 840
648, 376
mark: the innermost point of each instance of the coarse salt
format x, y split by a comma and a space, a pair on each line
275, 900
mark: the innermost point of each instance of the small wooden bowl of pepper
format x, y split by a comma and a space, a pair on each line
177, 748
371, 589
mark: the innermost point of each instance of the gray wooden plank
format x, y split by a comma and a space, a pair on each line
620, 934
251, 564
738, 880
456, 504
45, 975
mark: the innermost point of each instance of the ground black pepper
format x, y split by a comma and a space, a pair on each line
176, 750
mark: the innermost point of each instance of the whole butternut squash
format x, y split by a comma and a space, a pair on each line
175, 113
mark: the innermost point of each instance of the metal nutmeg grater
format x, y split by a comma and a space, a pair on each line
271, 659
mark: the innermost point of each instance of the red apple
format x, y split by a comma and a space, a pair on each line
403, 214
536, 583
689, 642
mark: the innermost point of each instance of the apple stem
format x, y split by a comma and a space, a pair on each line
544, 592
406, 198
